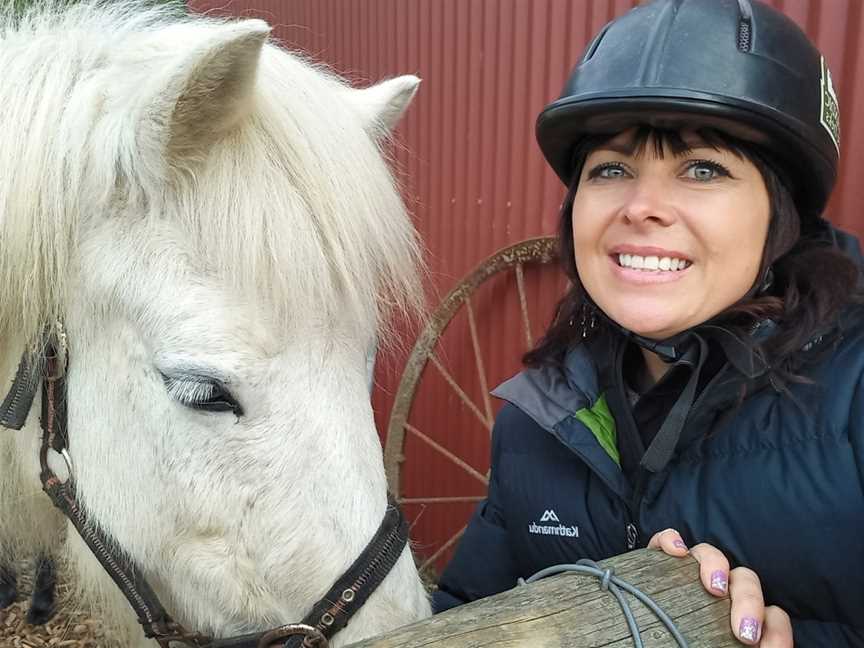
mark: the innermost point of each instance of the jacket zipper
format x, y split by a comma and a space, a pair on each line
632, 537
631, 529
633, 506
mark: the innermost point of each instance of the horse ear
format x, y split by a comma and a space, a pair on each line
210, 88
381, 106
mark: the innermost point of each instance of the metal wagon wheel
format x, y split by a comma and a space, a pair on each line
519, 258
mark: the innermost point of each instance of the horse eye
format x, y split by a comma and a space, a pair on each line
202, 394
220, 400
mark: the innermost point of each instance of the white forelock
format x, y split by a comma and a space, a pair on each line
292, 205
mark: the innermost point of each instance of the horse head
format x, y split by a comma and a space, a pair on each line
208, 223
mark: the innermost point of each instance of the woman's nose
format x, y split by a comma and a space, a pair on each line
649, 202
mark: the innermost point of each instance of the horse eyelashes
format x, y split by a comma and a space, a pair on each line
201, 394
187, 391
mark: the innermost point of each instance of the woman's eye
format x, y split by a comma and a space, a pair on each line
608, 171
705, 170
202, 394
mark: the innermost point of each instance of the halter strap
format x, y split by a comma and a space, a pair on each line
125, 574
16, 406
328, 615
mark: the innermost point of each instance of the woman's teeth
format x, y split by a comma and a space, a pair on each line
651, 262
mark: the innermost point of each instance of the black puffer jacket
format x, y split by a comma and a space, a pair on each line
776, 483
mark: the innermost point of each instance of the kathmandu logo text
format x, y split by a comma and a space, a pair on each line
559, 529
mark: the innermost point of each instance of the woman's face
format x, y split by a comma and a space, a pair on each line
665, 242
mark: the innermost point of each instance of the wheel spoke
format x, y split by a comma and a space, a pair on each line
450, 542
523, 304
478, 357
520, 257
461, 393
452, 457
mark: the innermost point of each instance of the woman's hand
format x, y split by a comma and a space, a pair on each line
752, 622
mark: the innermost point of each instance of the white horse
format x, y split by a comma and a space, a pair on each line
212, 221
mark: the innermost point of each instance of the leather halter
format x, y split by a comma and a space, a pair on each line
329, 615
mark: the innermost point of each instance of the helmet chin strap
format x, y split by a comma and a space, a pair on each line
689, 349
670, 349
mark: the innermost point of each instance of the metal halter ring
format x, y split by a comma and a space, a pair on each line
63, 454
59, 357
314, 638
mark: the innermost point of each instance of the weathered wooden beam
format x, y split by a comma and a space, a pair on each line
571, 610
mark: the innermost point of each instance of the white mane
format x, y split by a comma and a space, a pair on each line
71, 93
205, 213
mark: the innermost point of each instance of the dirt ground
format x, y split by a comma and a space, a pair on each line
69, 628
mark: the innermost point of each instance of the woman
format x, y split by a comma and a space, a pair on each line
701, 385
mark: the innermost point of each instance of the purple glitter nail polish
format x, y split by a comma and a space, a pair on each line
679, 544
719, 581
749, 629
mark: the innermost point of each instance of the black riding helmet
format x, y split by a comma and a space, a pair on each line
735, 65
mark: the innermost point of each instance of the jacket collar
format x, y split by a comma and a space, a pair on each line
553, 396
549, 395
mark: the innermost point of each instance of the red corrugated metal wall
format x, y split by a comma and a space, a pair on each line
475, 180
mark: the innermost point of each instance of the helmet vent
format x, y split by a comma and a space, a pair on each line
744, 36
745, 25
592, 47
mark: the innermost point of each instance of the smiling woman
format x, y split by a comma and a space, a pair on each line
643, 206
702, 383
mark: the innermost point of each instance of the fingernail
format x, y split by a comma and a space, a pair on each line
679, 544
749, 629
719, 581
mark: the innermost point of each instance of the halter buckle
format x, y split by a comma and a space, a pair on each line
166, 632
313, 637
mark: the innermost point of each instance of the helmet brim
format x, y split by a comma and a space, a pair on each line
564, 123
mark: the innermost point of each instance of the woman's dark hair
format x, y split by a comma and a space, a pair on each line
791, 287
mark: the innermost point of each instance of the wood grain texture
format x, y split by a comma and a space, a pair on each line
571, 610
